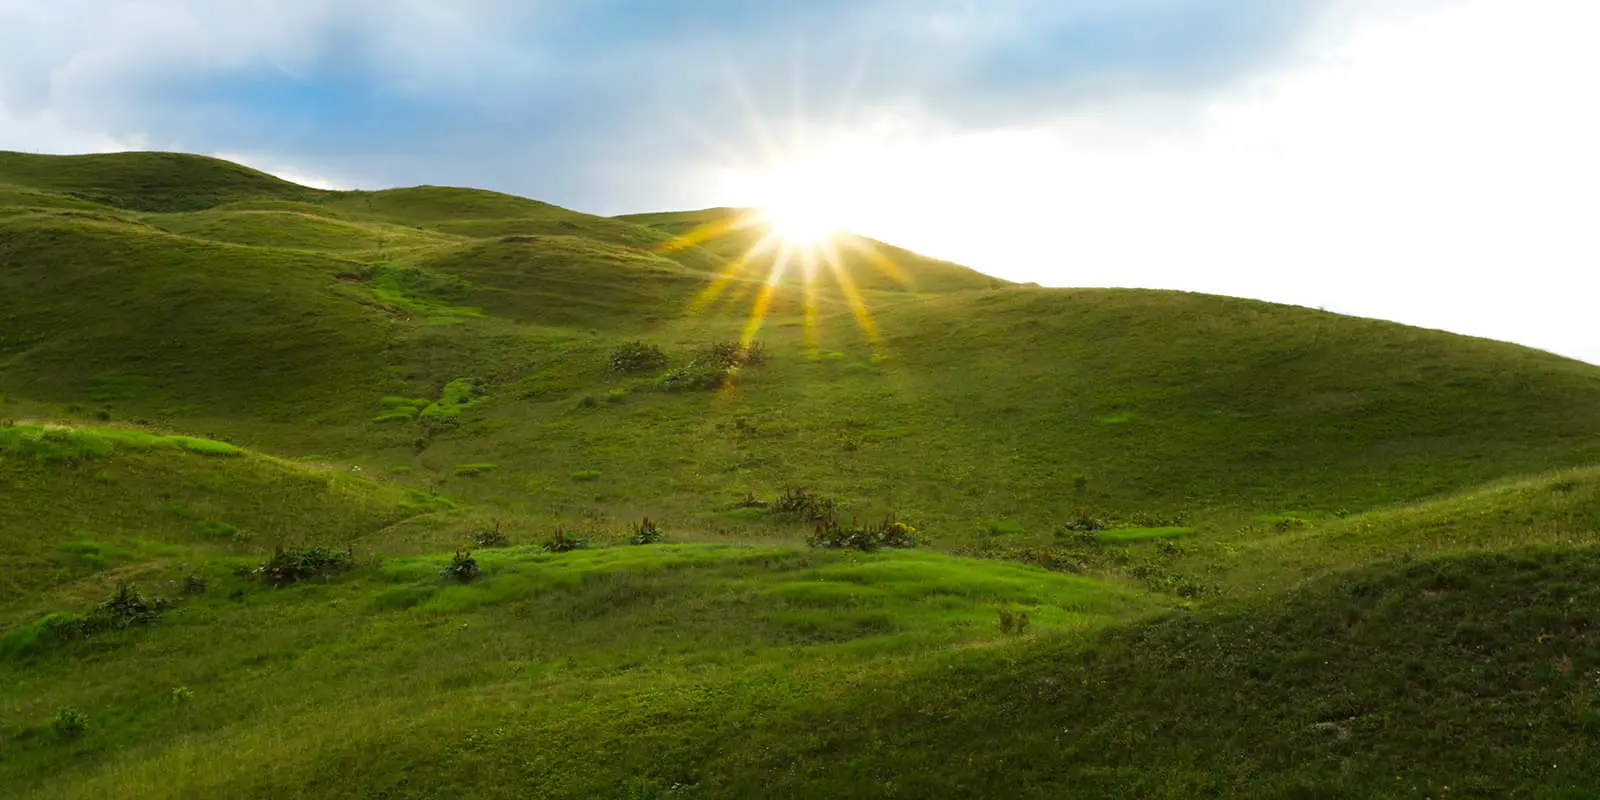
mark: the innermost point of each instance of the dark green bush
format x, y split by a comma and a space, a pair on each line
1086, 525
694, 378
304, 563
491, 537
1161, 579
636, 356
805, 506
462, 567
126, 609
1013, 623
731, 355
645, 532
888, 533
70, 723
562, 541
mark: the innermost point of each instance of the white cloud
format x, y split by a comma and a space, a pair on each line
45, 131
1436, 167
287, 171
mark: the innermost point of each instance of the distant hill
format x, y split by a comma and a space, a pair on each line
735, 234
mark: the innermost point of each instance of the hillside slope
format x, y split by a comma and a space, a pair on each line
146, 181
1012, 409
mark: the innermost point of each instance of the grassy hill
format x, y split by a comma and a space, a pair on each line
1264, 551
737, 236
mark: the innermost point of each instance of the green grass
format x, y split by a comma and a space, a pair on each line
62, 443
1346, 558
665, 631
1143, 534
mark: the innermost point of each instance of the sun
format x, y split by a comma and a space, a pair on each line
802, 213
801, 224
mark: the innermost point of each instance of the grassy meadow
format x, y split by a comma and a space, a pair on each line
435, 492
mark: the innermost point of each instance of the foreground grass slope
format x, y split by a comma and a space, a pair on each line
726, 670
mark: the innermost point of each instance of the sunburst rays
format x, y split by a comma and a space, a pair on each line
776, 264
799, 249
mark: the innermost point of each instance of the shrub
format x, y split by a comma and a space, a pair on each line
636, 356
194, 584
731, 355
491, 538
70, 723
126, 609
588, 401
1159, 579
1013, 623
1284, 524
1084, 538
750, 501
304, 563
1086, 524
694, 378
888, 533
462, 567
563, 542
645, 532
805, 506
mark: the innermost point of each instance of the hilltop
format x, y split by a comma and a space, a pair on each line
1337, 541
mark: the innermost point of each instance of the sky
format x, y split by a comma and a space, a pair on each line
1431, 162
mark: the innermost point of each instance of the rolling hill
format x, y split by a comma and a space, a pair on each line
1263, 550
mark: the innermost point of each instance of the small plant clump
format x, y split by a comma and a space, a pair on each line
1013, 623
490, 537
126, 609
636, 356
731, 355
888, 533
805, 506
562, 542
304, 563
645, 532
1086, 524
70, 723
694, 378
749, 501
713, 367
462, 567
